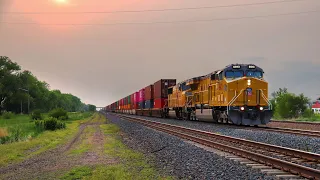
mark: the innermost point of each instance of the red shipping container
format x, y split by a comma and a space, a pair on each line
125, 101
159, 103
161, 87
148, 92
132, 99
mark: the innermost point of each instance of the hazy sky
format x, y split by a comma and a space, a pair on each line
102, 63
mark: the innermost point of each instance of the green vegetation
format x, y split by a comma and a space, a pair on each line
290, 106
18, 128
20, 93
18, 151
50, 124
36, 114
78, 173
92, 107
118, 171
79, 115
59, 113
18, 87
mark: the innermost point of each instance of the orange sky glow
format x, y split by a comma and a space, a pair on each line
70, 6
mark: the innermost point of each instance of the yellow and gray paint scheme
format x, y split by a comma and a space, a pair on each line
236, 94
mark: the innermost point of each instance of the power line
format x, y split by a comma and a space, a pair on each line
156, 10
165, 22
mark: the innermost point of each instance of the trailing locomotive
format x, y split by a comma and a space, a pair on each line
236, 94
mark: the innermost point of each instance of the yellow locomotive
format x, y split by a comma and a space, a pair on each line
236, 94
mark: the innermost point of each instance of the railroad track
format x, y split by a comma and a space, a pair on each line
301, 132
297, 122
289, 161
290, 131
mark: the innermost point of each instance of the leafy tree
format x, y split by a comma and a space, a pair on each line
12, 95
289, 105
92, 107
8, 79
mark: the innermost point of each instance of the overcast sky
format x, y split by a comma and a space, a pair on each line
102, 63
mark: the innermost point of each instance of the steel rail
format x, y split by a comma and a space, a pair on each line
280, 164
291, 131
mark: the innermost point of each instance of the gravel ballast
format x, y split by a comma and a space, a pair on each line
179, 158
304, 143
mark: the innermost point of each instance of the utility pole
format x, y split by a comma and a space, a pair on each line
26, 90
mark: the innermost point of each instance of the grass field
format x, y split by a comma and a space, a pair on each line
23, 128
314, 118
31, 141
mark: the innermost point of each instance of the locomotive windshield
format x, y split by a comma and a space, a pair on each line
234, 74
257, 74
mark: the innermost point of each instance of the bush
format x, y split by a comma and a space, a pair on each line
308, 113
50, 124
36, 115
7, 115
59, 113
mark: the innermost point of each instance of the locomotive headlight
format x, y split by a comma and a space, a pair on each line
242, 108
249, 82
261, 108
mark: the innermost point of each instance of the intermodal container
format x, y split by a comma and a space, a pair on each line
148, 92
141, 105
141, 95
161, 87
135, 100
148, 104
136, 97
159, 103
132, 99
129, 99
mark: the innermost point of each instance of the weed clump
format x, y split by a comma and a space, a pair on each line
59, 113
50, 124
7, 115
15, 134
36, 115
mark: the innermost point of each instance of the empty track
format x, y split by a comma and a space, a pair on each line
292, 161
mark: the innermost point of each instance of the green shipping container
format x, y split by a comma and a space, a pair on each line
129, 99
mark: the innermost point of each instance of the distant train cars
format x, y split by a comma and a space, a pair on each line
236, 94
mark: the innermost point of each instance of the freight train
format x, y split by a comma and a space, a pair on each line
236, 94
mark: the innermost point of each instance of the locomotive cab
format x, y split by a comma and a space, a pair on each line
247, 93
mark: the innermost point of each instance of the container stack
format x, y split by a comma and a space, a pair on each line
141, 99
161, 92
148, 97
136, 100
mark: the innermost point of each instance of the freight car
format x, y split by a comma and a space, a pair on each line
236, 94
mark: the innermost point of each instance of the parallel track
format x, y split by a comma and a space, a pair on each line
291, 131
296, 162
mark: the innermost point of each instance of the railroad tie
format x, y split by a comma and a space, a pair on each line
291, 176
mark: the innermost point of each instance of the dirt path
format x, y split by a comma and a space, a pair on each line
85, 148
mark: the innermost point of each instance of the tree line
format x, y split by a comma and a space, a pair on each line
21, 91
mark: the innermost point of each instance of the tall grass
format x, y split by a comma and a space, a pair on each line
312, 118
79, 115
22, 127
3, 132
